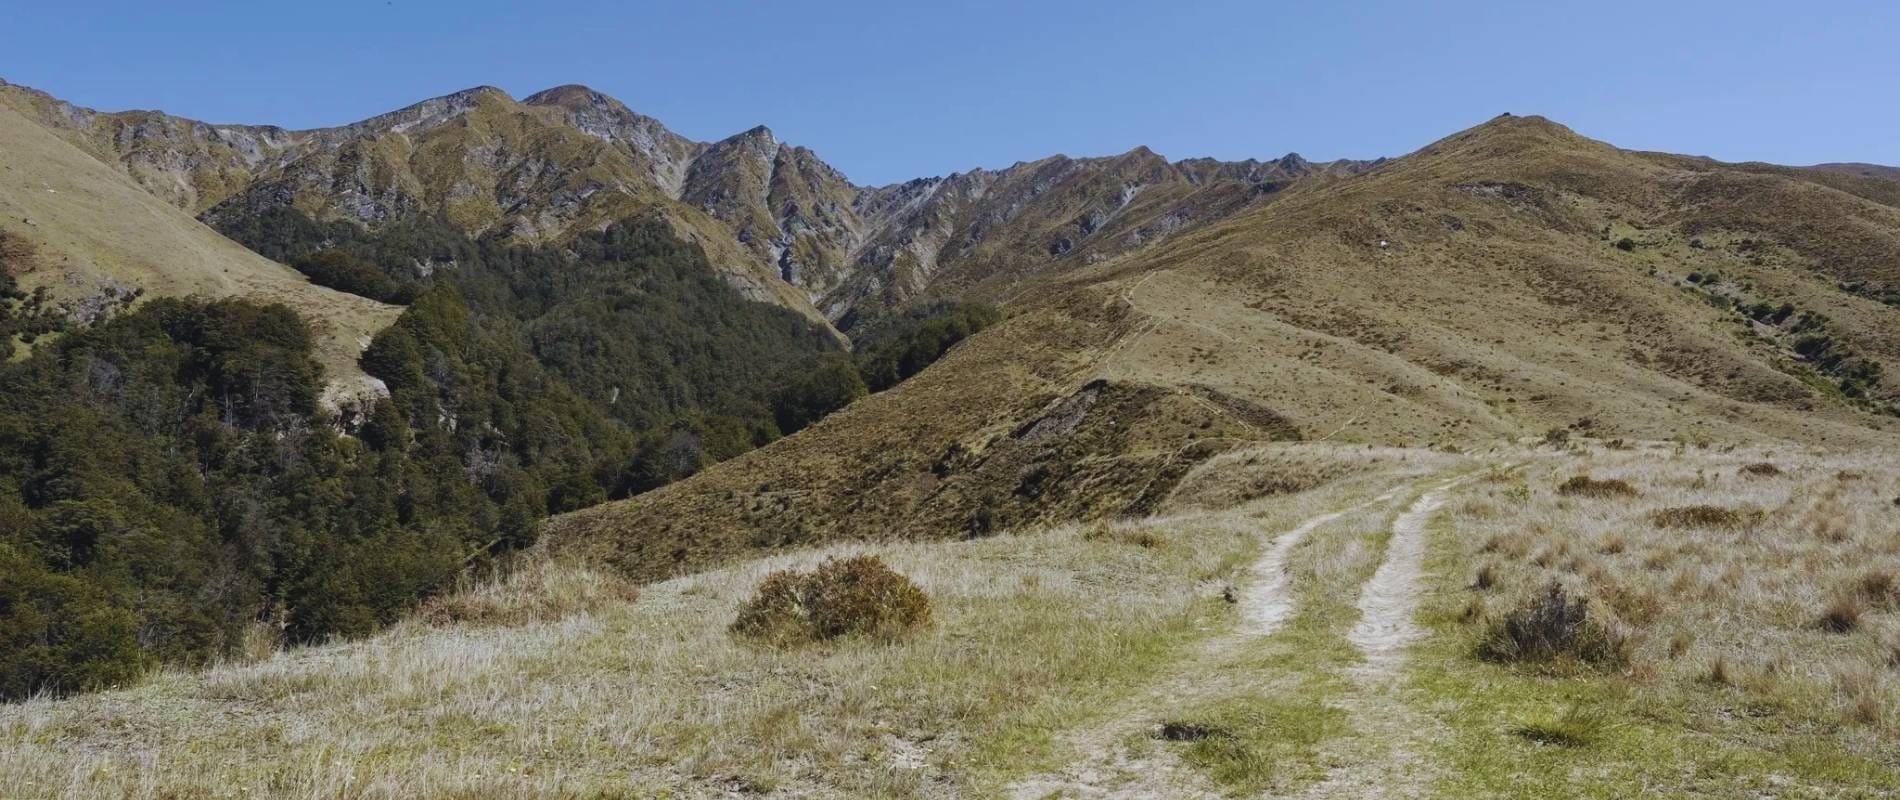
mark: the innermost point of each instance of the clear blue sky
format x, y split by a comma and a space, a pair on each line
888, 91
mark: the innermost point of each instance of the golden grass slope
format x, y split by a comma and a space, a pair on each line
1468, 294
94, 231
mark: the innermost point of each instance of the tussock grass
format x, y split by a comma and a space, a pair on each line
1575, 725
1699, 516
856, 596
1551, 625
1586, 486
1757, 633
540, 591
561, 682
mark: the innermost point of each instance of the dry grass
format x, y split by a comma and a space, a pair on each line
559, 683
542, 590
1737, 588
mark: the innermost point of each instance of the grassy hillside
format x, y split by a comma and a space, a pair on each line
1505, 282
96, 238
1269, 646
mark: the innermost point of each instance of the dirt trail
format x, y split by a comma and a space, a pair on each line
1109, 769
1389, 601
1265, 604
1382, 758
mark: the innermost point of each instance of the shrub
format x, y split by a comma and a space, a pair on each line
1557, 437
60, 635
1698, 517
858, 596
1626, 244
1585, 486
1761, 470
1550, 626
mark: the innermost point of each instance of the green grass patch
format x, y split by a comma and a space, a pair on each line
1253, 744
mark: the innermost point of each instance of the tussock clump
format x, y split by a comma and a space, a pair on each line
540, 592
858, 596
1842, 615
1879, 588
1575, 726
1720, 673
1865, 690
1187, 732
1142, 537
1586, 486
1486, 578
1761, 470
1508, 545
1550, 626
1699, 517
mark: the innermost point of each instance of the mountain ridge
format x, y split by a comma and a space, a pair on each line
783, 225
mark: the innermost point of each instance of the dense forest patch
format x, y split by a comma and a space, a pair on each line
171, 488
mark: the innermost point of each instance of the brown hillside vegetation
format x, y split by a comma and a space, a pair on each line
99, 238
1499, 283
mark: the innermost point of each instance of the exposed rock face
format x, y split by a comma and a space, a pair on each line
783, 225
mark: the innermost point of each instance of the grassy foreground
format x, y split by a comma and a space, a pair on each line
556, 684
1719, 575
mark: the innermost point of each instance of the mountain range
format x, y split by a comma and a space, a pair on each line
781, 224
485, 445
1514, 279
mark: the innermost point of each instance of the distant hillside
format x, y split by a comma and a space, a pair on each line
1507, 281
97, 238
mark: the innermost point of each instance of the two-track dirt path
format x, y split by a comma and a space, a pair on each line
1106, 767
1382, 759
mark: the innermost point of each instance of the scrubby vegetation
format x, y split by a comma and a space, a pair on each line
1809, 336
23, 316
1586, 486
1743, 624
857, 596
1552, 625
1698, 516
895, 346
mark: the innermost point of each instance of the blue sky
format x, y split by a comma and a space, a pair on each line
890, 90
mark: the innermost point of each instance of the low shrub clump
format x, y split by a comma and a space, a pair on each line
858, 596
1699, 517
1550, 626
1762, 470
1586, 486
